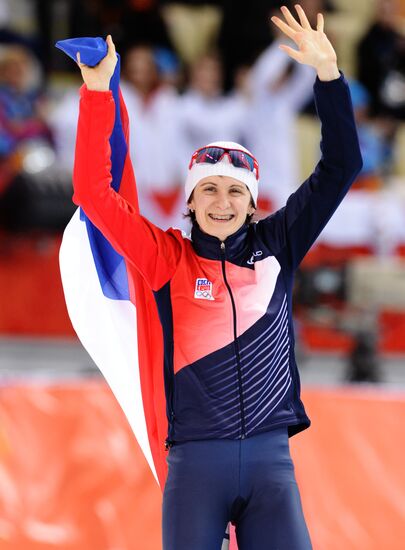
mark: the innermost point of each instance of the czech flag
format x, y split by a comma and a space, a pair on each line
100, 287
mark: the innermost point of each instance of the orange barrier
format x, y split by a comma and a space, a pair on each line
73, 478
32, 296
350, 469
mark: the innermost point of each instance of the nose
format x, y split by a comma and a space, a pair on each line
223, 201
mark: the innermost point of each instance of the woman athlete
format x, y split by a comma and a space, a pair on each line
224, 297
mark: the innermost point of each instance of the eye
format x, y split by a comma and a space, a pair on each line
236, 190
209, 188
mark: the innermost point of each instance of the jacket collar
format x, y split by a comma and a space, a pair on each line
209, 247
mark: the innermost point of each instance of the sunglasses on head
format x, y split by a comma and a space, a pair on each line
238, 158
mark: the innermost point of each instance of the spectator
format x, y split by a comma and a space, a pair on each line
21, 108
372, 214
375, 145
63, 121
21, 115
279, 89
381, 62
205, 113
152, 104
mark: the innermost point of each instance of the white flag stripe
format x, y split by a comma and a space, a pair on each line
106, 327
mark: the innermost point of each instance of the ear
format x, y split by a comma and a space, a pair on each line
191, 205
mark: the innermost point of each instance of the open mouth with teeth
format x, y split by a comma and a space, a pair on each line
221, 217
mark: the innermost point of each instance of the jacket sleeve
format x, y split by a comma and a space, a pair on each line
294, 228
153, 252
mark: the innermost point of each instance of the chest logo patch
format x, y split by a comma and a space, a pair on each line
203, 289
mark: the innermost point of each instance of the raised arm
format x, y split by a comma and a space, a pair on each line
153, 252
294, 228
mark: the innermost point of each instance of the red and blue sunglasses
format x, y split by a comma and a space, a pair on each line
238, 158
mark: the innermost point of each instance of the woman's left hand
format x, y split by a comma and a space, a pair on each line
314, 47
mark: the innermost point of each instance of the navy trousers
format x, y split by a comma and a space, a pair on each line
249, 482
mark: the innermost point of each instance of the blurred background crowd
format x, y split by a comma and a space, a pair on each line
195, 72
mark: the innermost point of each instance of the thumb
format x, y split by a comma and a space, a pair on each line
111, 46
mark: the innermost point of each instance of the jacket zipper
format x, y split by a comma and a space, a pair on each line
242, 412
169, 440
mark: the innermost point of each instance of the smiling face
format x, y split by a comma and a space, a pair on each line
221, 204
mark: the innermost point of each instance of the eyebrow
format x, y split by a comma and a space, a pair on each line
238, 185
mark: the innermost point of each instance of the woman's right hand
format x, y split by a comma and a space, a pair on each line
98, 78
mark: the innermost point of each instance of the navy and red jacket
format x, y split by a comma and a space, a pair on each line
225, 307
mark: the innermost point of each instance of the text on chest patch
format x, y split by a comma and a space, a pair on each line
203, 289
